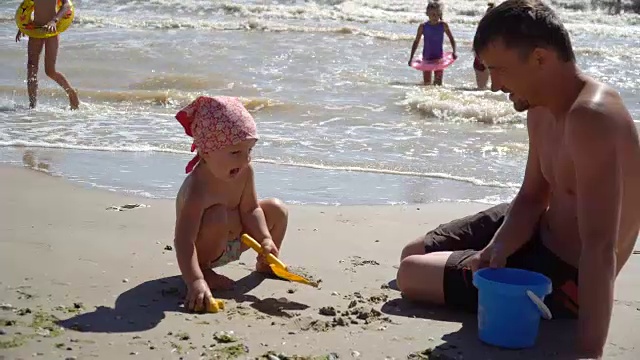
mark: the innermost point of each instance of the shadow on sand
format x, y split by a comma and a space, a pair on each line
556, 338
144, 306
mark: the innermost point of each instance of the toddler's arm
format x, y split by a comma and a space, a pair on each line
251, 214
186, 233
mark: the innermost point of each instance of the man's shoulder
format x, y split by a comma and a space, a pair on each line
598, 100
598, 107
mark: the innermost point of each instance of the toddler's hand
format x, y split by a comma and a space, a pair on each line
198, 295
269, 247
455, 56
19, 35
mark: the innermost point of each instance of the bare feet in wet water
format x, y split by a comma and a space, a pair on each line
217, 281
74, 102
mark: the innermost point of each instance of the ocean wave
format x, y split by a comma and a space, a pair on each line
456, 105
164, 97
364, 18
318, 166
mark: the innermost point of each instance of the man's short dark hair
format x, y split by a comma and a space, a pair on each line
524, 25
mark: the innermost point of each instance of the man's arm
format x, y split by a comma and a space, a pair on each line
530, 202
592, 141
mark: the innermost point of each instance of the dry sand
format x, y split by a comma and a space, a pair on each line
83, 280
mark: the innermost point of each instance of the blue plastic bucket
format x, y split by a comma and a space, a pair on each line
510, 306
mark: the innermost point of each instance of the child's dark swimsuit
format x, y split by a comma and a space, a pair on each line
433, 39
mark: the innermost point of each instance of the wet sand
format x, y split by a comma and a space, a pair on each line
84, 276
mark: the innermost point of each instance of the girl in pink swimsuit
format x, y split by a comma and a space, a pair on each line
433, 31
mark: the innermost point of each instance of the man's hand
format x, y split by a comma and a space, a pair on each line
198, 295
490, 256
51, 26
19, 35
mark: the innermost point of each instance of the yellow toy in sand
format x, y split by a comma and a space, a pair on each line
213, 306
26, 26
278, 267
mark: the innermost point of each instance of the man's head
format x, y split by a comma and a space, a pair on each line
522, 42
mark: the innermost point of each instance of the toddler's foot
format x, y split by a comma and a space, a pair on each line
263, 267
74, 102
217, 281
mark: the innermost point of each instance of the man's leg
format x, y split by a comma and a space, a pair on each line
34, 48
431, 267
50, 58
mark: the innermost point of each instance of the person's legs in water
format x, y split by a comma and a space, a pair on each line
426, 77
50, 56
438, 77
34, 48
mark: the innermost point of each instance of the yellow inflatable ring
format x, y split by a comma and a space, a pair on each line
27, 27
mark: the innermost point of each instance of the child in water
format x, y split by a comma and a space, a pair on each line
45, 15
482, 74
433, 31
217, 201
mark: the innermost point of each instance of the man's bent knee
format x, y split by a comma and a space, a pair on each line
416, 247
421, 277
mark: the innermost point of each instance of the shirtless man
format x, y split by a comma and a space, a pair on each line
576, 217
45, 15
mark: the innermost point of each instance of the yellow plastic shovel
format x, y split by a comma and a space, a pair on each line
277, 266
213, 306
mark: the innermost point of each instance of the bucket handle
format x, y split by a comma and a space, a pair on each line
544, 310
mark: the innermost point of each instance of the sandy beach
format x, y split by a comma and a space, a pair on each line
81, 279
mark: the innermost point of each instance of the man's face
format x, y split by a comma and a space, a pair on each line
512, 74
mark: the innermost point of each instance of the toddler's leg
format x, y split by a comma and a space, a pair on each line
438, 78
34, 48
277, 216
426, 77
211, 244
50, 57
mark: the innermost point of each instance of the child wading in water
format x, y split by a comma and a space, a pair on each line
482, 74
217, 201
433, 31
45, 15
